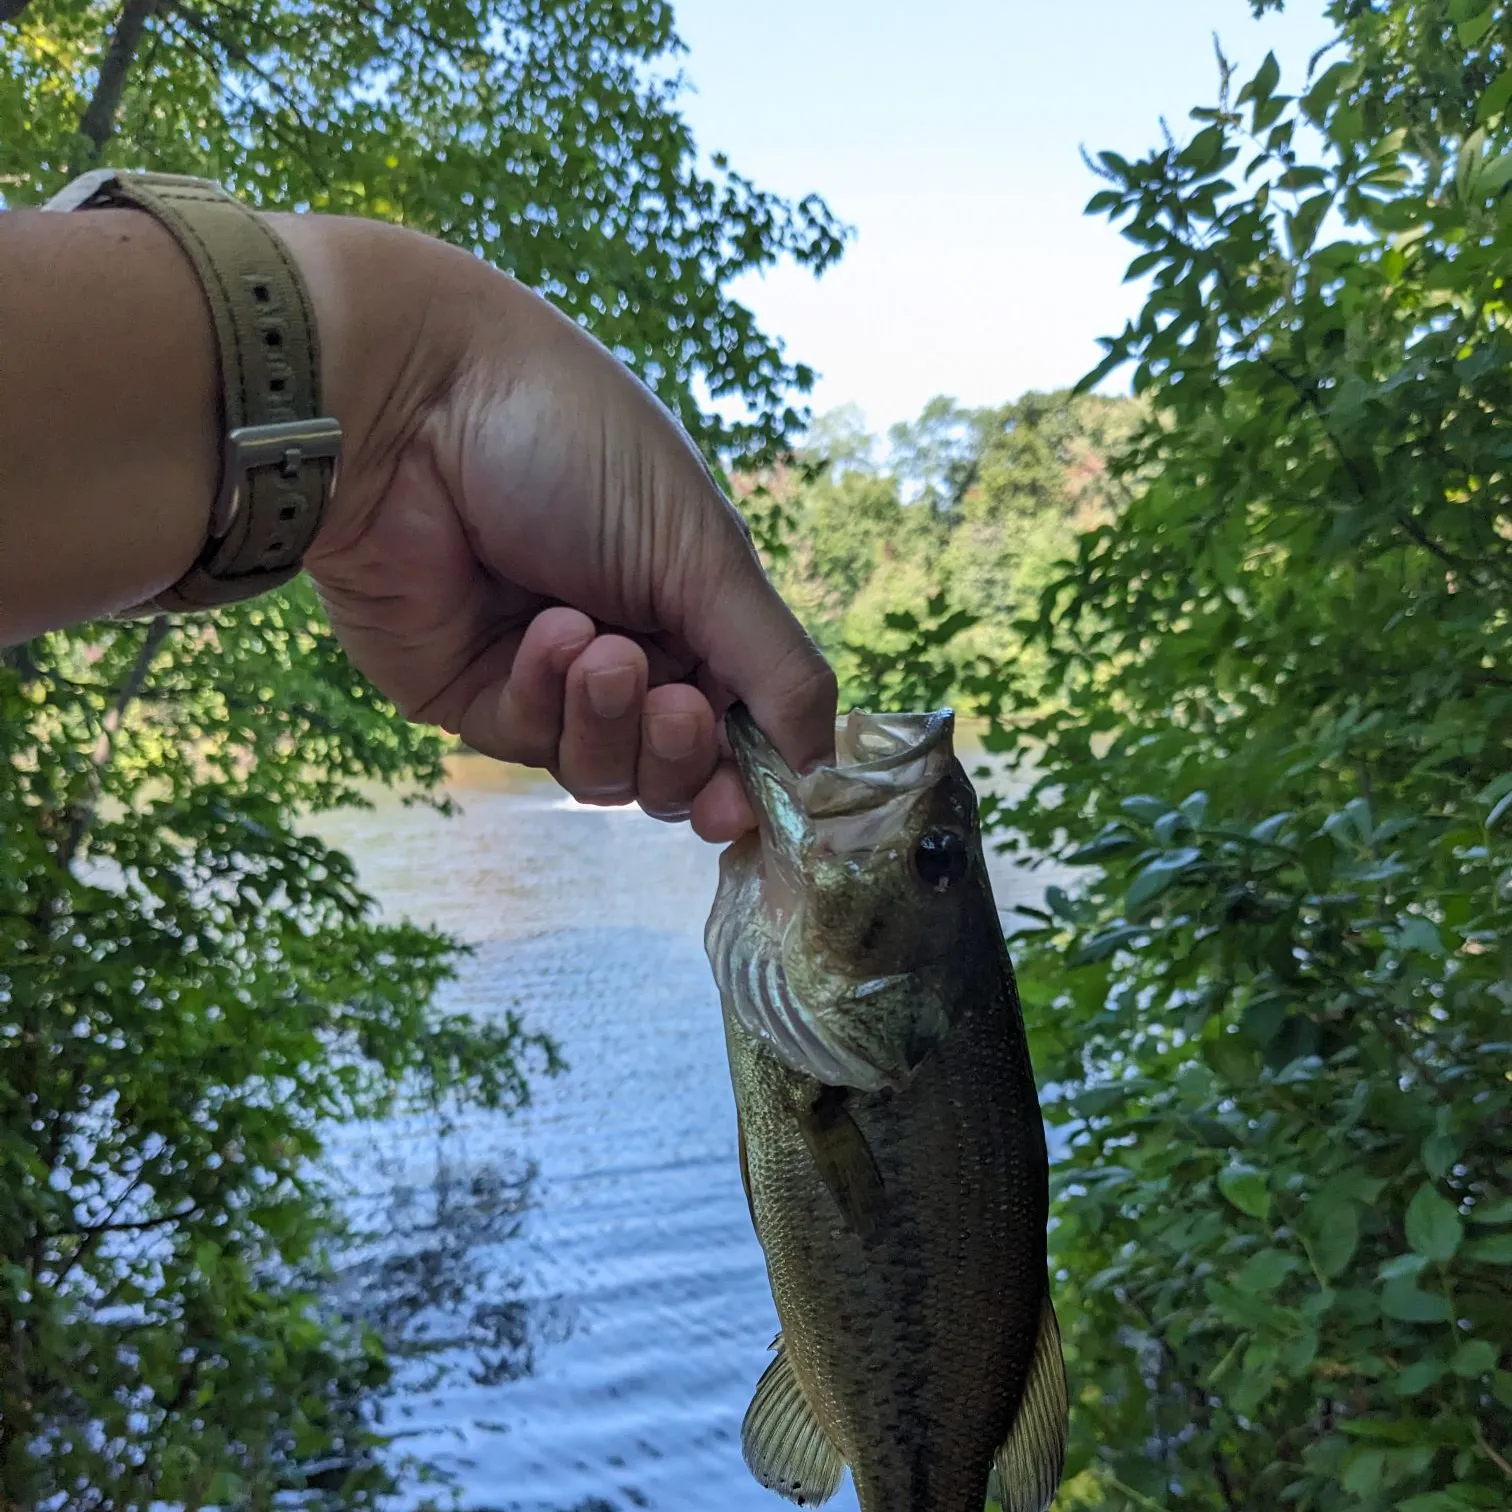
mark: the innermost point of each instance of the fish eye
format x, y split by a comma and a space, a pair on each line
940, 858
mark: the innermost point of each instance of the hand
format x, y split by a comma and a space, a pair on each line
526, 549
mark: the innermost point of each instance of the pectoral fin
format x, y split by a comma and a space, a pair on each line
1027, 1468
783, 1444
845, 1161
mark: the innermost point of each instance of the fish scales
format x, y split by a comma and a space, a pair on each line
891, 1141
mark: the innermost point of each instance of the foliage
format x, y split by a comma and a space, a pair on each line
935, 551
192, 987
1275, 755
544, 136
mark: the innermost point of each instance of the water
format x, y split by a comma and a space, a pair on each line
582, 1288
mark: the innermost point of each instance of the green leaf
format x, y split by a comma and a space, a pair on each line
1436, 1501
1492, 1211
1264, 1271
1365, 1473
1246, 1188
1494, 174
1419, 934
1475, 1357
1433, 1225
1144, 807
1494, 101
1420, 1376
1100, 947
1474, 28
1336, 1235
1302, 226
1159, 874
1266, 79
1402, 1300
1438, 1154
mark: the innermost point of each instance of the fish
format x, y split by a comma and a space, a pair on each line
890, 1140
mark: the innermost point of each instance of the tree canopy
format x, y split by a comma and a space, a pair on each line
964, 509
547, 137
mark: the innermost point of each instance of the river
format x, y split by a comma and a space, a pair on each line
579, 1299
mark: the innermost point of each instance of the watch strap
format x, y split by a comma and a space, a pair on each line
281, 453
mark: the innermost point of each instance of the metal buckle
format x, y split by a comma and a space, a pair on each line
287, 446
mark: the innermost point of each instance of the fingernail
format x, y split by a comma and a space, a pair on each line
608, 797
667, 816
611, 692
672, 736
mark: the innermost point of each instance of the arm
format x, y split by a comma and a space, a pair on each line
524, 547
108, 451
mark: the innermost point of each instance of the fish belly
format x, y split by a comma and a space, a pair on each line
912, 1345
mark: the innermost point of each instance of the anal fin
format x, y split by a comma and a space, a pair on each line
1027, 1469
783, 1444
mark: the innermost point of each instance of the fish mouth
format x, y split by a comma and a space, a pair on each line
882, 762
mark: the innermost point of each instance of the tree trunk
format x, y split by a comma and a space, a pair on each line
98, 122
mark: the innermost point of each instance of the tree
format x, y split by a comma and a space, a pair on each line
191, 987
544, 136
1039, 477
1275, 1001
935, 456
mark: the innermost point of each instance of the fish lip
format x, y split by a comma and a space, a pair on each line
787, 802
771, 784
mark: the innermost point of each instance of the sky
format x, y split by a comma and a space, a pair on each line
948, 134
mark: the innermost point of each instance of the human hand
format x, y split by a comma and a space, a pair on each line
526, 549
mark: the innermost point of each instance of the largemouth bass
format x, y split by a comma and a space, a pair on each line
890, 1136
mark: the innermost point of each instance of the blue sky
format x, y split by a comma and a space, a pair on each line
948, 134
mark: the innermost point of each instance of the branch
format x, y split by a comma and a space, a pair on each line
1499, 1460
202, 27
11, 9
98, 122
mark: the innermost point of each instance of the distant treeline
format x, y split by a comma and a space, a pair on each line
965, 510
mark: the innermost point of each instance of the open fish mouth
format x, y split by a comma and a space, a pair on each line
880, 759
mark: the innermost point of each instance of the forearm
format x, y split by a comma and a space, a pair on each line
110, 424
108, 446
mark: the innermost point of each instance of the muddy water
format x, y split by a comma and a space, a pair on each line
576, 1290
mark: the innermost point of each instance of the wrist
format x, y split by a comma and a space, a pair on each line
384, 357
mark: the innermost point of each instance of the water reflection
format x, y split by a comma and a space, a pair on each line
424, 1274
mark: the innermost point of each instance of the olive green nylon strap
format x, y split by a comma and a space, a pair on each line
280, 453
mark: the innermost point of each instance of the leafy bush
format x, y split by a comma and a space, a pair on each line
1277, 1008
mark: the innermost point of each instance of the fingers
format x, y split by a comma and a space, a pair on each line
578, 705
678, 750
722, 812
600, 745
520, 720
